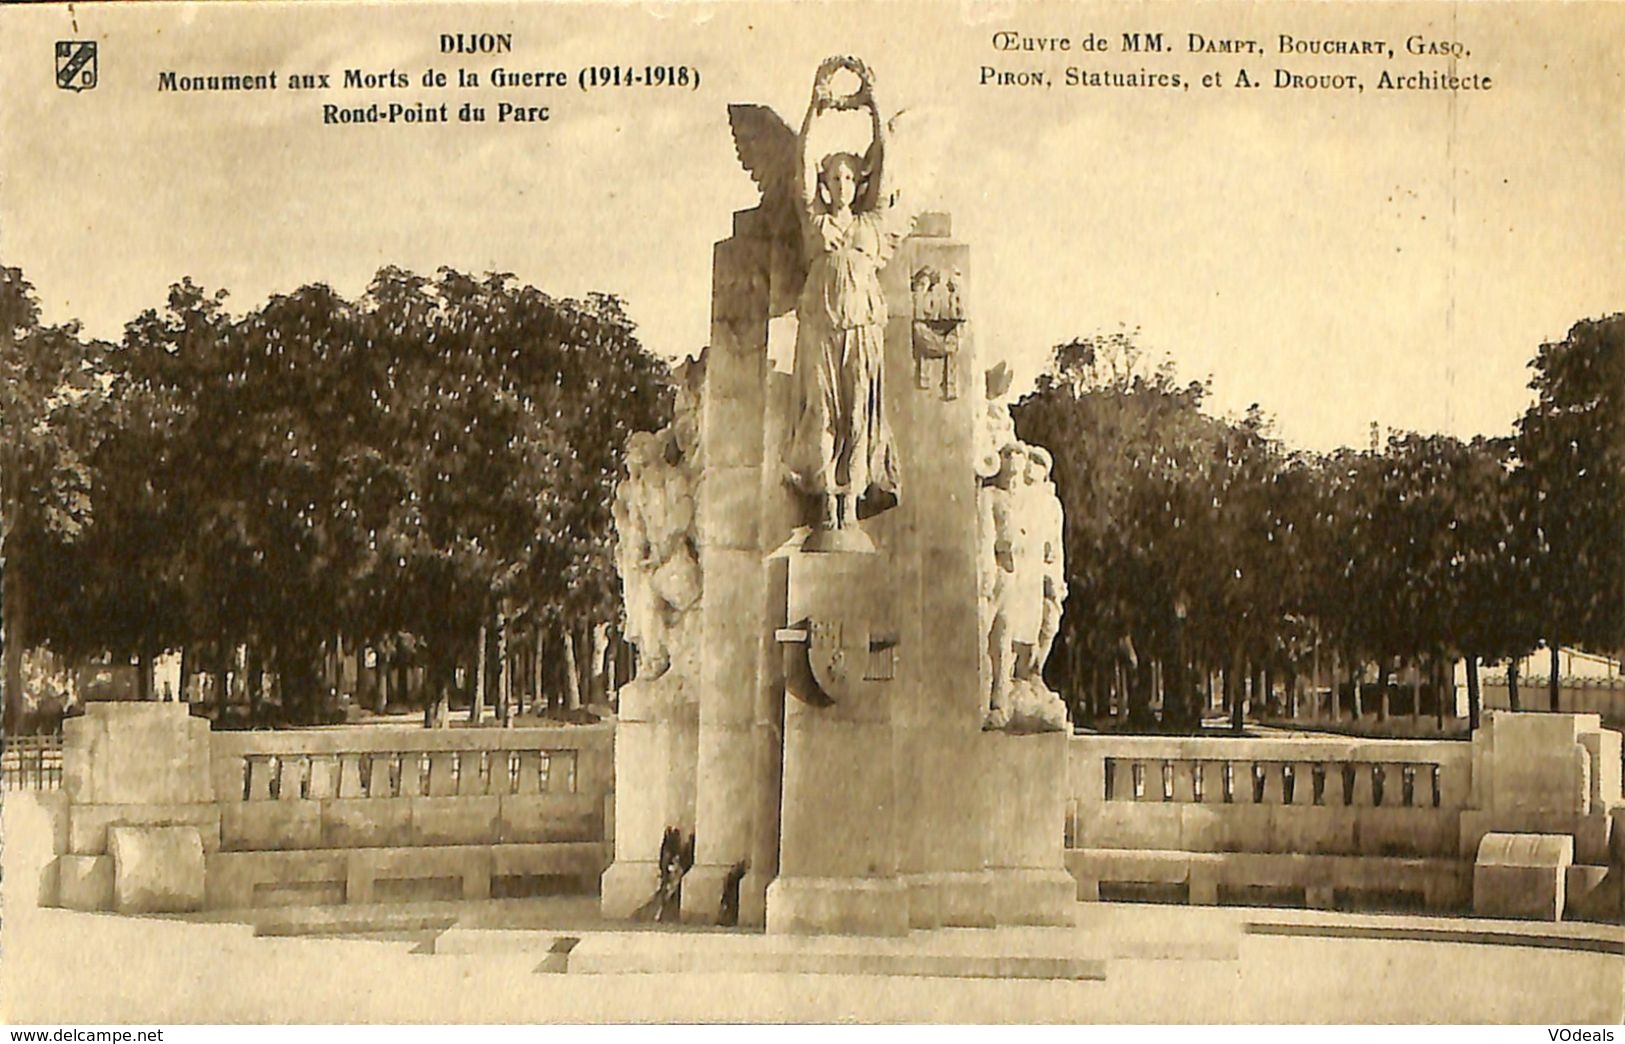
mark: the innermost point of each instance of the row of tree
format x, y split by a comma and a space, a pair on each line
427, 471
419, 471
1206, 546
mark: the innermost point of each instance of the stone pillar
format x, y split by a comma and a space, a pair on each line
652, 760
839, 826
734, 603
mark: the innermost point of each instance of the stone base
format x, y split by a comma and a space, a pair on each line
753, 900
626, 886
156, 869
1522, 875
702, 894
1032, 897
949, 900
84, 882
837, 906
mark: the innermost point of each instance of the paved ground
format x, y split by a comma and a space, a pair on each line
1162, 964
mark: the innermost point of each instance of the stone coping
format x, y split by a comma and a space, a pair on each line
381, 739
1283, 749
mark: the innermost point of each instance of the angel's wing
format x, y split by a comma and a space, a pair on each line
767, 150
766, 147
916, 141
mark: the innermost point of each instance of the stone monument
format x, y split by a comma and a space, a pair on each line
819, 722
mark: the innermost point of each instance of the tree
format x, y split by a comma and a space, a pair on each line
1571, 448
47, 381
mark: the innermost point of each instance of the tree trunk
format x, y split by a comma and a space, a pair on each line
1513, 701
184, 695
1553, 684
1334, 699
14, 610
143, 676
256, 681
572, 678
1357, 696
222, 669
504, 675
1416, 692
538, 692
476, 706
1235, 680
1474, 707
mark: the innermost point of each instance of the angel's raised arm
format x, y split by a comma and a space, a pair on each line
877, 181
807, 164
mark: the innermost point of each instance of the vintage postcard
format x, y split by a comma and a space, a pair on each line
952, 512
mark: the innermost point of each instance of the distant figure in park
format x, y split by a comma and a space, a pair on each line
840, 447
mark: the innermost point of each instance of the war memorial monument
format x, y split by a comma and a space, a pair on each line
838, 567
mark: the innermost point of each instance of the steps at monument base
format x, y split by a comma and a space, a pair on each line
944, 953
1080, 954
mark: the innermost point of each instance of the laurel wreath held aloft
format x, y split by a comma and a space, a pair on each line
843, 63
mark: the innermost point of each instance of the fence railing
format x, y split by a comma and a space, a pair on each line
31, 763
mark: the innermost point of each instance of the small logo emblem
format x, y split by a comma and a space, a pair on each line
76, 64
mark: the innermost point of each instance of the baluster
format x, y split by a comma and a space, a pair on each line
443, 771
1184, 788
471, 773
293, 778
380, 770
1272, 780
350, 779
530, 773
324, 776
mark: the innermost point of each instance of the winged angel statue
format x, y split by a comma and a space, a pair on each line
835, 221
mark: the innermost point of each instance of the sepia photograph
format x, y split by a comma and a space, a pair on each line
805, 513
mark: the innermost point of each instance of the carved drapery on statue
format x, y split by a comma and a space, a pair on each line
841, 213
656, 552
1022, 572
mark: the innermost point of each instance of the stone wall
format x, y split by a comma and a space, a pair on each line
161, 814
1342, 822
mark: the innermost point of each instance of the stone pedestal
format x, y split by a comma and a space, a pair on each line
1545, 774
140, 808
656, 736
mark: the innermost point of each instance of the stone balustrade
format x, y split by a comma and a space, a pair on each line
346, 814
1332, 821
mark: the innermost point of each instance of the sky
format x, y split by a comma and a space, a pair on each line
1338, 258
